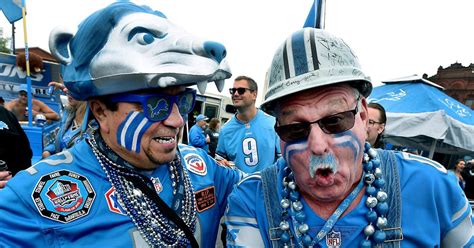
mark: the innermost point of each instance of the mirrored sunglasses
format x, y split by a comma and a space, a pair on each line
239, 91
332, 124
158, 107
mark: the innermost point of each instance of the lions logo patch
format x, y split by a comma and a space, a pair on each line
63, 196
195, 164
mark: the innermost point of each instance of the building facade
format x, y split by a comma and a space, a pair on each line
458, 81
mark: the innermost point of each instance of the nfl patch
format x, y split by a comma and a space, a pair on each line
157, 184
195, 164
205, 198
333, 239
63, 196
113, 203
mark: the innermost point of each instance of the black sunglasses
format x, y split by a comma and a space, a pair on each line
240, 91
333, 124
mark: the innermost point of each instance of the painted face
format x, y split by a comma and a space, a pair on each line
247, 98
374, 127
146, 143
327, 164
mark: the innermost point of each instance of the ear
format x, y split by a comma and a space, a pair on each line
98, 109
59, 40
364, 114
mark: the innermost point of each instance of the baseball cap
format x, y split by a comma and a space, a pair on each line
23, 87
201, 117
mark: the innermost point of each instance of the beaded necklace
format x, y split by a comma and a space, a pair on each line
292, 208
153, 226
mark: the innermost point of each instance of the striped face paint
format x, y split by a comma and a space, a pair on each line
293, 148
131, 130
348, 140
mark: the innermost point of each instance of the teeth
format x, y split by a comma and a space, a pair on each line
202, 87
164, 140
220, 85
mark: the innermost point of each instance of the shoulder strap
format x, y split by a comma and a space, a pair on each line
272, 204
389, 168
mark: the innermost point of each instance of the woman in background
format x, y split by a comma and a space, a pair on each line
213, 132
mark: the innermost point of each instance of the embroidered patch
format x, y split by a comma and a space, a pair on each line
205, 198
156, 182
333, 239
195, 164
113, 203
63, 196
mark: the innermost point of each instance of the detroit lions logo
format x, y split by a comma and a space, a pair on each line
138, 44
3, 125
161, 106
391, 96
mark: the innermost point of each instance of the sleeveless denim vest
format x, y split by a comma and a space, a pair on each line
389, 168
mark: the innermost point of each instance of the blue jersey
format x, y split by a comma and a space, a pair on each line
251, 146
435, 211
66, 200
197, 137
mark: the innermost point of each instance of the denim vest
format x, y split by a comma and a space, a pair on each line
389, 168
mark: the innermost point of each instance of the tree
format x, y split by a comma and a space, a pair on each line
3, 45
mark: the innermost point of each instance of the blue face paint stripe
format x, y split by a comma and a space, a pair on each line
138, 134
299, 53
123, 127
131, 130
350, 143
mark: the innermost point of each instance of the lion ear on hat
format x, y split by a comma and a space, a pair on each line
59, 40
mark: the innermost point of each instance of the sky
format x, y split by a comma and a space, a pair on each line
392, 38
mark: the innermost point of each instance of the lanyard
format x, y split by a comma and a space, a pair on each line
334, 217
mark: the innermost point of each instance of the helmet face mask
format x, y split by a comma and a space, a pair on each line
312, 58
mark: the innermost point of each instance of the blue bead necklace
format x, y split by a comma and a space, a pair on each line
153, 226
292, 208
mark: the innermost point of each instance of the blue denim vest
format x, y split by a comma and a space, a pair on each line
389, 168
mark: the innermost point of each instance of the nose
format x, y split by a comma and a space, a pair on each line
215, 50
174, 119
318, 140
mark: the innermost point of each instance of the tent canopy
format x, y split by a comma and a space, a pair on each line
421, 115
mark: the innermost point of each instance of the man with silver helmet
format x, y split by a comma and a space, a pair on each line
330, 188
129, 184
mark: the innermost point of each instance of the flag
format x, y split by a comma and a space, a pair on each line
315, 17
11, 9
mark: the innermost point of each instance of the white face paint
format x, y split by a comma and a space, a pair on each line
325, 162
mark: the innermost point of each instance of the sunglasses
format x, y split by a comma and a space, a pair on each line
240, 91
372, 122
332, 124
158, 107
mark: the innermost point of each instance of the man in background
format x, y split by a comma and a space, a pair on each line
376, 126
248, 139
19, 107
15, 148
197, 137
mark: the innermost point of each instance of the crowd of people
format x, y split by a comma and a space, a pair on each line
306, 169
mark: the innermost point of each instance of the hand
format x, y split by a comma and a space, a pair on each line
58, 86
4, 177
45, 154
208, 140
226, 163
